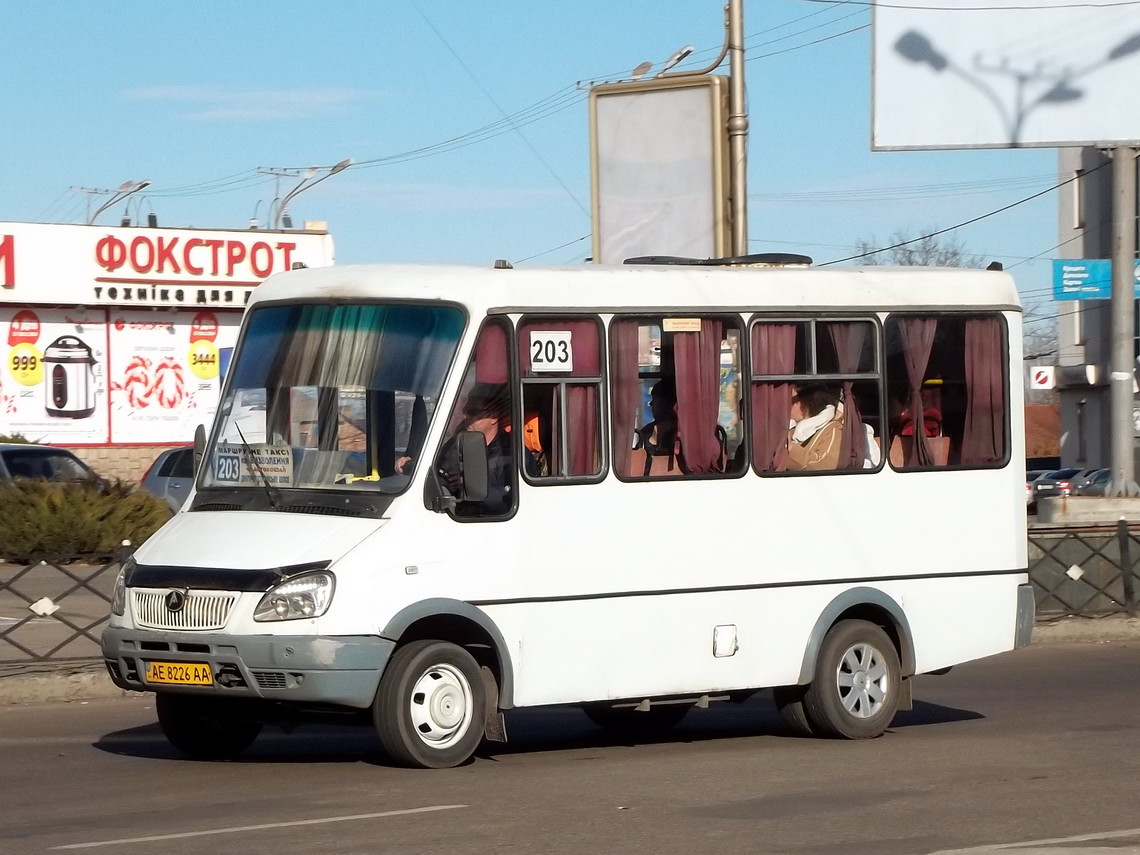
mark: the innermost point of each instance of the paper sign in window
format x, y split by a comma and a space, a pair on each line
551, 350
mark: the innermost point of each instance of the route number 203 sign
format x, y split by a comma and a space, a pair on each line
551, 350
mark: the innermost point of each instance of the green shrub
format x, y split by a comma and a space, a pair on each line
82, 518
15, 438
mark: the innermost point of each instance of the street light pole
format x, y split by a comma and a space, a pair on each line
125, 190
737, 128
305, 184
1123, 366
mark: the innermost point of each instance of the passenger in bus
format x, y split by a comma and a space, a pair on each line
659, 440
487, 410
816, 431
535, 462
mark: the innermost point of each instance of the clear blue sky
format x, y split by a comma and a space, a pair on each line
195, 97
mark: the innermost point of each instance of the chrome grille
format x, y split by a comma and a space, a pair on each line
203, 609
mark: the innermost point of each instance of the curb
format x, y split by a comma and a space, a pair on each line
44, 684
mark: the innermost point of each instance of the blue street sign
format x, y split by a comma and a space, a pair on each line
1086, 279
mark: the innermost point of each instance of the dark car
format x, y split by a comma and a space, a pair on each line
1056, 483
171, 476
1097, 484
26, 460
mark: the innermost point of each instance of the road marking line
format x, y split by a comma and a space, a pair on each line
242, 828
1033, 847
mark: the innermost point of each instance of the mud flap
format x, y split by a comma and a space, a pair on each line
495, 724
906, 694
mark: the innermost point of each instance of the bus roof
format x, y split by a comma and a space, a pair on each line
630, 288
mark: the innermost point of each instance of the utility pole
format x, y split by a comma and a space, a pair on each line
737, 128
1123, 362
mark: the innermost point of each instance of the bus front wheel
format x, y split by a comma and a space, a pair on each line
430, 708
855, 690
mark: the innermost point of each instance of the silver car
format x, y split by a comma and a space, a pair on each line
171, 476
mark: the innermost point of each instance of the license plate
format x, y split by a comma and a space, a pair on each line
179, 673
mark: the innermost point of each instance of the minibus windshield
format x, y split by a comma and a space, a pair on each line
330, 397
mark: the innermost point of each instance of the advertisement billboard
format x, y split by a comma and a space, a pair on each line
659, 168
109, 376
976, 74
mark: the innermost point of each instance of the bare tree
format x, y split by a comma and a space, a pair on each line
923, 251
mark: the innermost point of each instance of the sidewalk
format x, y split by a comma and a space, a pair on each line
40, 683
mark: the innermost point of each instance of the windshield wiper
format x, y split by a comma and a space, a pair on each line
269, 491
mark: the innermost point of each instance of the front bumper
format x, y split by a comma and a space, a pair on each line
341, 670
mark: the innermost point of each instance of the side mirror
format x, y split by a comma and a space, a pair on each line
199, 446
473, 466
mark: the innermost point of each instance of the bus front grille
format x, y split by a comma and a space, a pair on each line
199, 610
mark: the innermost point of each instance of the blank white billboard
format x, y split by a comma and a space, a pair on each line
659, 153
1005, 74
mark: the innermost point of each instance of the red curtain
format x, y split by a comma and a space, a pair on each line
696, 358
917, 341
983, 442
848, 339
773, 352
491, 355
582, 419
626, 390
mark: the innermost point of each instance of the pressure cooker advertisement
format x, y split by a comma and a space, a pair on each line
104, 376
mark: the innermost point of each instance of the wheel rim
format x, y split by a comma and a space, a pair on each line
441, 706
863, 680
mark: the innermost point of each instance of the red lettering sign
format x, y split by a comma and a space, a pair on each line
8, 261
204, 327
25, 327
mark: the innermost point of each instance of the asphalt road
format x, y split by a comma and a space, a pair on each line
1041, 744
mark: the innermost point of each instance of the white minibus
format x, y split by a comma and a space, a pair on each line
432, 494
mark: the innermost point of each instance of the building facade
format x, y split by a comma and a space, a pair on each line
1084, 326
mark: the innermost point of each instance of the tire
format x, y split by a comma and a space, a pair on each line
430, 708
206, 728
855, 690
630, 722
790, 703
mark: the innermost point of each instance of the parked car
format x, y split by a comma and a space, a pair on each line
171, 476
1031, 476
1081, 480
1057, 483
1097, 484
27, 460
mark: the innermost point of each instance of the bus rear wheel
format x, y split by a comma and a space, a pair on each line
205, 728
430, 708
855, 690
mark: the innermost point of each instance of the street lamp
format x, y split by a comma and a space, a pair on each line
125, 190
306, 183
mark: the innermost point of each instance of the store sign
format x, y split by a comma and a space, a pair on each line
1042, 377
86, 265
1087, 279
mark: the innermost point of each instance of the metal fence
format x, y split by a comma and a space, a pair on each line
53, 609
1090, 571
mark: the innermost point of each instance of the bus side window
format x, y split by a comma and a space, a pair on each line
560, 369
949, 401
815, 395
484, 405
676, 396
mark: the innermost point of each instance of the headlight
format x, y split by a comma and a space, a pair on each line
119, 595
300, 597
